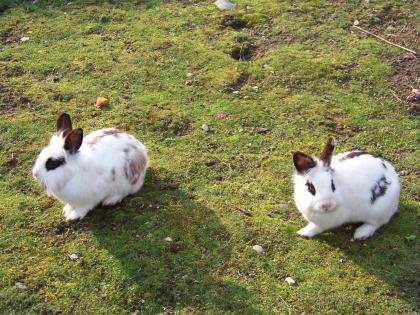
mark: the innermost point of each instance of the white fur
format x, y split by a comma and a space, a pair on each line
87, 178
351, 201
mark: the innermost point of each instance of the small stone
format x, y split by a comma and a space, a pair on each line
281, 206
304, 313
205, 127
341, 260
24, 39
21, 286
73, 257
262, 129
137, 235
255, 88
235, 92
356, 22
404, 173
225, 5
101, 101
189, 74
290, 281
168, 239
248, 7
258, 249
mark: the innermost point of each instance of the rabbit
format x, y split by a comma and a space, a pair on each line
348, 187
103, 167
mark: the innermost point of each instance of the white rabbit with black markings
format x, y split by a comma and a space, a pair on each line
345, 188
104, 167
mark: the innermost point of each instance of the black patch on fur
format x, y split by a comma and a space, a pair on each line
383, 164
354, 154
52, 163
311, 188
379, 189
332, 185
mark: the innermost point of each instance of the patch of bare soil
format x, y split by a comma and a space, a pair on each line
405, 78
263, 42
12, 100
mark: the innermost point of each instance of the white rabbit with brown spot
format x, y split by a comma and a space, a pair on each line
349, 187
103, 167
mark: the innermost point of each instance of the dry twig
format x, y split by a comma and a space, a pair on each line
383, 39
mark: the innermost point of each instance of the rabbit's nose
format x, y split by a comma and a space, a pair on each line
326, 206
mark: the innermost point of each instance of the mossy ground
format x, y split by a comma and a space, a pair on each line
168, 67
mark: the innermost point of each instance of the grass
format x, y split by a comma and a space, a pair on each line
167, 68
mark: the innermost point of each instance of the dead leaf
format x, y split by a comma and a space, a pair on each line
101, 102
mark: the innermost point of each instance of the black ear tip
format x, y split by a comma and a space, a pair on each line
63, 115
297, 154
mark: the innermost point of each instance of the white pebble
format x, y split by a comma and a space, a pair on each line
225, 5
21, 286
258, 249
290, 280
73, 257
235, 92
189, 74
24, 39
205, 127
168, 239
356, 22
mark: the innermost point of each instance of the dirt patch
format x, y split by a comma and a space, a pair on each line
12, 100
178, 126
393, 24
269, 43
243, 52
405, 75
235, 22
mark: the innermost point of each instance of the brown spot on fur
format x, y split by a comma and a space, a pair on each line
135, 166
113, 132
113, 174
303, 162
353, 154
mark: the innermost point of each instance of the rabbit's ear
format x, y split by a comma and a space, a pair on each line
73, 141
64, 124
327, 154
303, 162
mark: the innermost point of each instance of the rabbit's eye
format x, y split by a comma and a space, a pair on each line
332, 185
52, 163
311, 188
